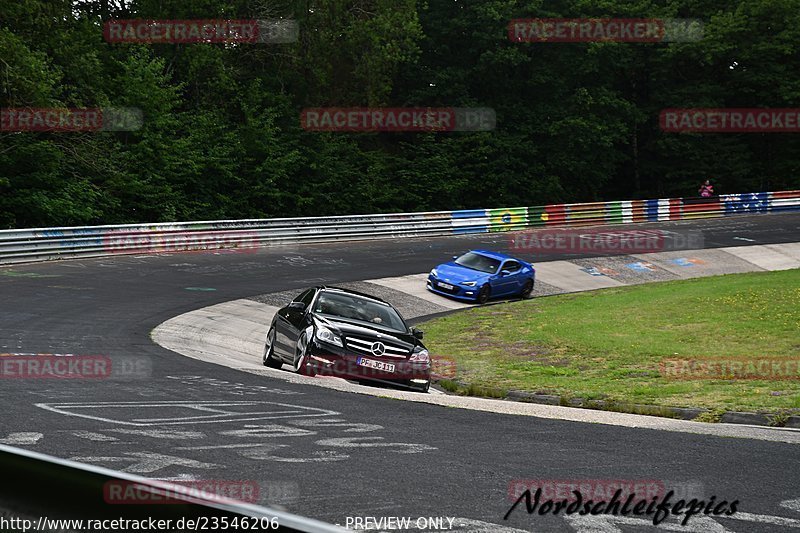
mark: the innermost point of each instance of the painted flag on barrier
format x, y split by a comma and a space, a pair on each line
555, 215
507, 219
470, 221
535, 216
585, 214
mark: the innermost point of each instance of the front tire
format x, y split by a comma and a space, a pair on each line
483, 294
269, 359
301, 359
527, 289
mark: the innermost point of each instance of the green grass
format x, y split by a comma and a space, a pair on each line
607, 344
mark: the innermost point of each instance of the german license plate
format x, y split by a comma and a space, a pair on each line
445, 285
377, 365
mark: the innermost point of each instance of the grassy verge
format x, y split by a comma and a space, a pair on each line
608, 345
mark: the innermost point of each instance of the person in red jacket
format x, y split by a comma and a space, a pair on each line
706, 189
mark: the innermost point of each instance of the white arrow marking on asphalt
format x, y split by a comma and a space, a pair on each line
354, 427
265, 453
608, 524
269, 430
146, 462
179, 477
21, 439
362, 442
97, 437
161, 433
220, 446
794, 505
765, 519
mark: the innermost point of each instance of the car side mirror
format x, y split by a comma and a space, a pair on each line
505, 272
297, 306
455, 257
417, 333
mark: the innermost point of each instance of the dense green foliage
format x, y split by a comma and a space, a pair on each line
222, 135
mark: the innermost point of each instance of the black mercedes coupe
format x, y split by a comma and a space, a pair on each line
339, 332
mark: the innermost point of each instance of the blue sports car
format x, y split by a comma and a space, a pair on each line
481, 274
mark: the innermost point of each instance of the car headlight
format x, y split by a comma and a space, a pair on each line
421, 356
469, 283
325, 335
434, 273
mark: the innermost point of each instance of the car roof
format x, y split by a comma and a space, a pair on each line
493, 254
327, 288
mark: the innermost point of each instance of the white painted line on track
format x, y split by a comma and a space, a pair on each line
275, 411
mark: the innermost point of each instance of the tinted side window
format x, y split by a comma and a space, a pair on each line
304, 297
512, 266
307, 297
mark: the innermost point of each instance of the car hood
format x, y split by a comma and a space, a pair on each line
457, 273
349, 327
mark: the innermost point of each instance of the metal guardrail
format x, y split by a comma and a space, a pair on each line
38, 487
43, 244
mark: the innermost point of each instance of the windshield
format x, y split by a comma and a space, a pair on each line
354, 307
478, 262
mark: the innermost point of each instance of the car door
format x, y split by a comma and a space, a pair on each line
288, 323
511, 283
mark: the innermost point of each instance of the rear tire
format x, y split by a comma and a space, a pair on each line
483, 294
269, 359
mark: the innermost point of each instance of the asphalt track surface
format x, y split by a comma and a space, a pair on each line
331, 455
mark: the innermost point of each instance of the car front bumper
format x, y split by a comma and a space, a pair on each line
334, 361
459, 292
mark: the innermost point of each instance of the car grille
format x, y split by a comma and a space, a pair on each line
365, 346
